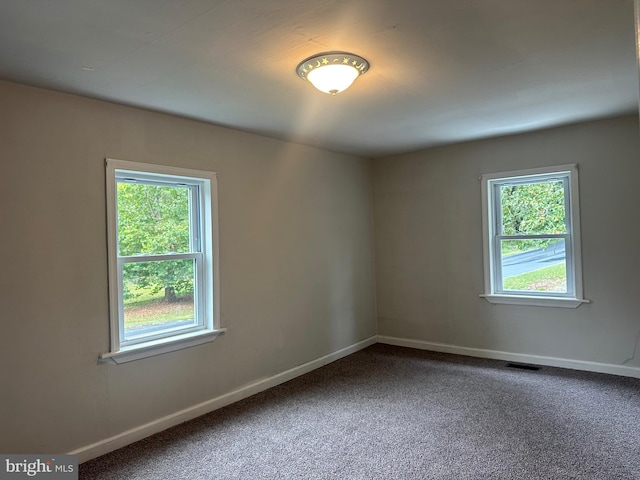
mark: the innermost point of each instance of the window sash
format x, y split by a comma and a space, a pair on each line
496, 212
196, 197
198, 296
498, 286
496, 185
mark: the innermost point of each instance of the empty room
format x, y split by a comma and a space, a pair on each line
330, 239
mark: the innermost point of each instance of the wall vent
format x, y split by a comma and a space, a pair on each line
523, 366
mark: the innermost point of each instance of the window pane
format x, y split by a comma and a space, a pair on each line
533, 208
534, 265
158, 296
152, 219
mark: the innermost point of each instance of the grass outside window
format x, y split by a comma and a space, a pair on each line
547, 279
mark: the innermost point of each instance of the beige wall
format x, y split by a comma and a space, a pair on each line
296, 250
429, 246
296, 256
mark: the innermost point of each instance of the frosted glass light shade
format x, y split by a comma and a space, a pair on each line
332, 78
332, 72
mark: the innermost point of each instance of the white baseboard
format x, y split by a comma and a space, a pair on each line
125, 438
513, 357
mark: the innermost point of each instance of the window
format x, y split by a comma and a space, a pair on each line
531, 228
163, 275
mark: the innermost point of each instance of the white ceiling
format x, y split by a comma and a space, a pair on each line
442, 71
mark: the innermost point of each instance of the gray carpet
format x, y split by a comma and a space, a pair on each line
397, 413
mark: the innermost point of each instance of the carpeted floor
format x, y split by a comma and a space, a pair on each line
396, 413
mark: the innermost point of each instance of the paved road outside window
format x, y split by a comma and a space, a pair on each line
533, 259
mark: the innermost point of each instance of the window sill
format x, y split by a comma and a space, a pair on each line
163, 345
535, 301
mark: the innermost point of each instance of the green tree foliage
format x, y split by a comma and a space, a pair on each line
154, 219
531, 209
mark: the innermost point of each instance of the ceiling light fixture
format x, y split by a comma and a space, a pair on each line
332, 72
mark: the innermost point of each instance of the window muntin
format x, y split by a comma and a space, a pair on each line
531, 225
162, 237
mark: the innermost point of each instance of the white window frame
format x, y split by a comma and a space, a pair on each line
491, 218
204, 223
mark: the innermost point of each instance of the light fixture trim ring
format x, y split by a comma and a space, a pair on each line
332, 58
